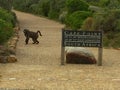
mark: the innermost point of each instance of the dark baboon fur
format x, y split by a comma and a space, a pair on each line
30, 34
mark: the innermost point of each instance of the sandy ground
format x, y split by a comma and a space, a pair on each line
38, 66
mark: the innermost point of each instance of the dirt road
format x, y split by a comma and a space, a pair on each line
38, 66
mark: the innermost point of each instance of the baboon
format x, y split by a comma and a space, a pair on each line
30, 34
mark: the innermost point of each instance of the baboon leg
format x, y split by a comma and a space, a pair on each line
34, 41
27, 39
37, 41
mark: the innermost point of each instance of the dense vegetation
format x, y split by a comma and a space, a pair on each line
7, 20
80, 14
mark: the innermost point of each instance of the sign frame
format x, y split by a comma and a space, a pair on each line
73, 37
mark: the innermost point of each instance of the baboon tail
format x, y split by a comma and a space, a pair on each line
39, 33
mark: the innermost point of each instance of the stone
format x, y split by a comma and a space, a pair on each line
11, 59
12, 51
7, 51
17, 29
13, 42
12, 46
4, 52
15, 38
1, 52
3, 59
79, 55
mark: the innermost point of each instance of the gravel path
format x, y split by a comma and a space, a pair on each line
38, 66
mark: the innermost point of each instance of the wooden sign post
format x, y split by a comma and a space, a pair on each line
81, 39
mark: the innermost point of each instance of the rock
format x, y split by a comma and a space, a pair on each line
16, 29
12, 51
3, 59
1, 52
15, 38
12, 43
11, 59
4, 52
8, 59
7, 54
12, 46
2, 47
79, 55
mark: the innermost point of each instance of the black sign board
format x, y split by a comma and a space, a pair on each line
81, 38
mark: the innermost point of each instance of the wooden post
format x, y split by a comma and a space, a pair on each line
62, 55
100, 50
62, 48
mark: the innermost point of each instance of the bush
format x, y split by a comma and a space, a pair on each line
75, 20
7, 21
116, 40
62, 16
6, 31
108, 20
53, 15
106, 42
76, 5
35, 9
45, 8
9, 17
56, 7
112, 39
6, 4
87, 24
14, 19
41, 8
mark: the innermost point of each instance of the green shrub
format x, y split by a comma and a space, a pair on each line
7, 22
6, 31
111, 39
76, 5
8, 16
35, 9
41, 8
116, 40
13, 19
6, 4
53, 15
45, 8
87, 24
75, 20
56, 7
108, 20
62, 16
106, 42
